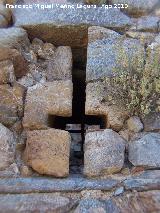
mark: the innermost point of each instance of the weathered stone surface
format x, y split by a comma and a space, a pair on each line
13, 37
27, 80
152, 122
148, 23
138, 8
26, 171
119, 191
11, 40
90, 205
103, 153
20, 64
17, 127
148, 180
51, 98
47, 63
35, 203
125, 65
152, 203
44, 50
144, 37
60, 68
11, 171
145, 151
11, 103
68, 26
6, 72
114, 116
134, 124
142, 184
3, 22
2, 1
110, 56
94, 97
125, 134
43, 184
135, 202
48, 151
5, 12
149, 174
99, 33
7, 147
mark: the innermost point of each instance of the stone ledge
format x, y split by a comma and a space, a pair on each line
49, 185
148, 180
68, 26
142, 184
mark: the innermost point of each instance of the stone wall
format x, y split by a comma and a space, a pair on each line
41, 52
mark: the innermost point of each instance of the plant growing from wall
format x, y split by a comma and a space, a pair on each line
137, 89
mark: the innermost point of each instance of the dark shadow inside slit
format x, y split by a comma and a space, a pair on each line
77, 128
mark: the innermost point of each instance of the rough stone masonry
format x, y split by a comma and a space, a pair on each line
40, 52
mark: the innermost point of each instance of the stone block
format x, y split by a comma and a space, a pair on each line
51, 98
6, 72
99, 33
103, 153
11, 104
70, 28
113, 55
47, 151
12, 41
135, 202
35, 203
13, 37
134, 124
145, 151
60, 66
114, 116
90, 205
148, 24
20, 64
152, 122
51, 185
137, 8
43, 50
7, 147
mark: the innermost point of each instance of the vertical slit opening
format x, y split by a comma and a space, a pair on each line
79, 123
